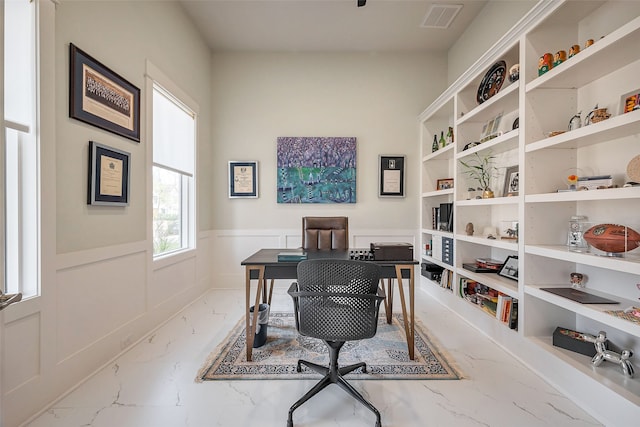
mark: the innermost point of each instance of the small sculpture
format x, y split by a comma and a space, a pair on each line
577, 280
596, 115
545, 63
575, 122
514, 73
603, 354
469, 229
588, 43
559, 57
574, 50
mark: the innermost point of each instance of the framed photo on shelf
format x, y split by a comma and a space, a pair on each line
444, 184
510, 268
391, 176
511, 181
243, 179
630, 102
108, 176
102, 98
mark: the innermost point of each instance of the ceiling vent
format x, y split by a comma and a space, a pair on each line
440, 15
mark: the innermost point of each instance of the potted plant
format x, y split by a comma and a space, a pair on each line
481, 169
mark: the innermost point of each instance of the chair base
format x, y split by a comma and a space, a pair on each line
332, 375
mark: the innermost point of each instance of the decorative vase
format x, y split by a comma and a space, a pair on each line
487, 194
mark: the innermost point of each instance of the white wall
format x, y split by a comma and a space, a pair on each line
374, 97
100, 290
495, 19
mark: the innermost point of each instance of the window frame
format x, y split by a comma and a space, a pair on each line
25, 274
156, 78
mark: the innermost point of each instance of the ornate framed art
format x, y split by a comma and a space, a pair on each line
101, 97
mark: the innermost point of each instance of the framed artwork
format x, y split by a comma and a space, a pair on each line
108, 176
444, 184
101, 97
630, 102
316, 170
511, 181
510, 268
243, 179
491, 128
391, 176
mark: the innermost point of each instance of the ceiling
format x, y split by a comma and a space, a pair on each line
325, 25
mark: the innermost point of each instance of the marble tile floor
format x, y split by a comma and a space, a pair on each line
153, 384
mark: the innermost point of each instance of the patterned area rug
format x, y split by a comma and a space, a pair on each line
385, 354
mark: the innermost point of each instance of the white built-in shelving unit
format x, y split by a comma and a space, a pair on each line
599, 75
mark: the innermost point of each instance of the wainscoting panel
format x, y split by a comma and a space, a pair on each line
21, 352
97, 298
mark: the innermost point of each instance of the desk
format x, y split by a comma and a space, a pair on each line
264, 265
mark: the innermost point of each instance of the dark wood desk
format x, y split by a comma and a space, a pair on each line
264, 265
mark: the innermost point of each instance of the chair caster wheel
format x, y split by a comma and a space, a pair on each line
298, 369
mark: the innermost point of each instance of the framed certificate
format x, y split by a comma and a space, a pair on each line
391, 176
108, 176
243, 179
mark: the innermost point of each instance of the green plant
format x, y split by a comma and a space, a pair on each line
481, 169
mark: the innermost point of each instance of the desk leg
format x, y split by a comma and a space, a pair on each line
409, 320
388, 301
250, 327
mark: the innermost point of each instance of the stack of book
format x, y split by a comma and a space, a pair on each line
595, 182
484, 265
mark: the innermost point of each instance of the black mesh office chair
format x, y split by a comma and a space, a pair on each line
336, 301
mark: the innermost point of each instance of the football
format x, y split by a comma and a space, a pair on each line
612, 238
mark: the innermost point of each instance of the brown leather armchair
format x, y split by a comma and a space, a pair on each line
325, 233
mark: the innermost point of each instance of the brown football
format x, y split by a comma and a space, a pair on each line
612, 238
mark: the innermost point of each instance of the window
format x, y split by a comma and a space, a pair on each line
20, 149
174, 131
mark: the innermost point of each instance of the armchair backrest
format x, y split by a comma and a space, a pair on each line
337, 299
325, 233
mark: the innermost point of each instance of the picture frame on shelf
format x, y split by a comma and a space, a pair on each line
491, 128
243, 179
630, 102
391, 170
444, 184
102, 98
510, 268
109, 171
511, 181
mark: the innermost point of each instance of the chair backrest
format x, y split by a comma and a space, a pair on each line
325, 232
338, 299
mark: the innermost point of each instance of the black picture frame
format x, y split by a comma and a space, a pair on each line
109, 171
510, 268
391, 174
102, 98
511, 181
243, 179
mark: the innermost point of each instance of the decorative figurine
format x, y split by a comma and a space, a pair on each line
545, 63
603, 354
577, 280
514, 73
588, 43
596, 115
559, 57
575, 122
572, 182
574, 50
469, 229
